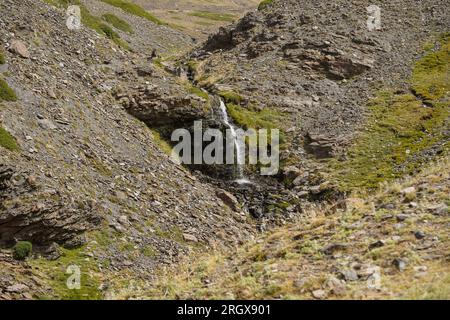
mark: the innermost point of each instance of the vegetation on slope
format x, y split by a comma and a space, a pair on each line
2, 57
335, 252
117, 23
264, 4
7, 141
401, 127
93, 22
213, 16
6, 93
133, 9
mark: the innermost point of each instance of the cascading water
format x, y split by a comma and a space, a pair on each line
240, 149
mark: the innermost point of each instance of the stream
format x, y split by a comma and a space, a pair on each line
240, 149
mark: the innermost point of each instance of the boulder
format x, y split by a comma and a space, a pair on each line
18, 47
229, 199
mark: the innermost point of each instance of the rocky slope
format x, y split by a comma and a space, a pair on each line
83, 163
85, 174
316, 65
392, 244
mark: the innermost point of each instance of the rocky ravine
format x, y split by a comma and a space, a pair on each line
317, 64
85, 164
84, 179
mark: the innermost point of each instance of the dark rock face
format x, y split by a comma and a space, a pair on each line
52, 218
157, 107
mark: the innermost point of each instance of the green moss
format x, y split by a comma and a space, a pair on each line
56, 276
2, 58
7, 141
148, 251
231, 97
430, 78
197, 91
133, 9
247, 118
264, 4
213, 16
400, 127
22, 250
163, 144
6, 93
117, 23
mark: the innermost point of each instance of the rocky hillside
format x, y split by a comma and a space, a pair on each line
315, 70
392, 244
86, 180
77, 171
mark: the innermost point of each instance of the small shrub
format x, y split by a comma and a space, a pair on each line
6, 93
264, 4
22, 250
7, 141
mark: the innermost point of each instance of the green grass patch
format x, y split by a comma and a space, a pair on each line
231, 97
22, 250
117, 23
56, 275
227, 17
400, 127
6, 93
197, 91
134, 9
246, 118
7, 141
264, 4
431, 75
163, 144
2, 58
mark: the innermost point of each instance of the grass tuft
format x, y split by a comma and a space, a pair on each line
6, 93
117, 23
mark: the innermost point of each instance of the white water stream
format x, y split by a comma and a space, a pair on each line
240, 149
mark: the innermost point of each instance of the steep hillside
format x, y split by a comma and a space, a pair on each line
81, 179
359, 208
318, 68
393, 244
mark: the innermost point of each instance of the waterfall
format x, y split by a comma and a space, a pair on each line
240, 149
